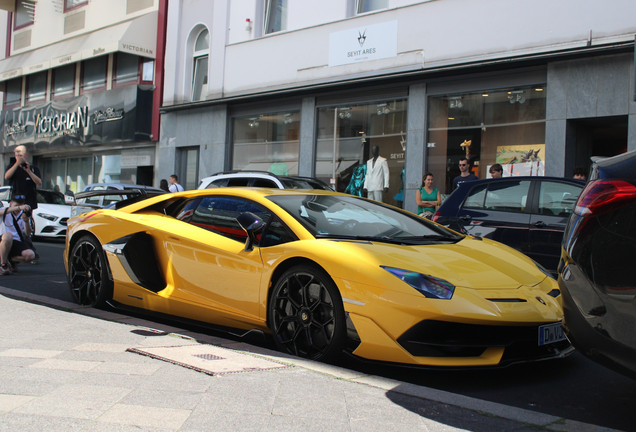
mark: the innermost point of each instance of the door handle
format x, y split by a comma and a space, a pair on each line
539, 224
465, 217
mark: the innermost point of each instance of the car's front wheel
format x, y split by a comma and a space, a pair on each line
306, 315
87, 273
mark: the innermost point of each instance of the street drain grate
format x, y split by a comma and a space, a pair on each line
208, 357
198, 356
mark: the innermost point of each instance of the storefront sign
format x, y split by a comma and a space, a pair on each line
66, 59
37, 67
372, 42
122, 114
10, 74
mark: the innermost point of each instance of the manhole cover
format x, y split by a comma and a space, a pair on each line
198, 357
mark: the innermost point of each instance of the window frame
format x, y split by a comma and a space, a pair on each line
15, 15
19, 100
75, 6
361, 3
268, 12
197, 56
64, 95
27, 100
115, 82
82, 72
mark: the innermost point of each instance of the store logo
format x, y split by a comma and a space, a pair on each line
110, 114
362, 37
16, 128
61, 122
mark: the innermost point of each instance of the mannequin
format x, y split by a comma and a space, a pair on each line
377, 180
357, 179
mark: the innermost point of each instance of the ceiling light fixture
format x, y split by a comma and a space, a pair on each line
253, 122
287, 119
383, 109
455, 102
516, 96
344, 113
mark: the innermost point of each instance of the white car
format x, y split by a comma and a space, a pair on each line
51, 215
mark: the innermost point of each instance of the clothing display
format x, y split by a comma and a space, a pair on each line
357, 180
279, 168
399, 197
377, 178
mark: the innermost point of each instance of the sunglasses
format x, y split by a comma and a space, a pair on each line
463, 164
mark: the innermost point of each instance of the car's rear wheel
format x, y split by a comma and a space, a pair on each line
87, 273
306, 314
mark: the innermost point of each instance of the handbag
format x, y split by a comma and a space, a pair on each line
427, 214
23, 238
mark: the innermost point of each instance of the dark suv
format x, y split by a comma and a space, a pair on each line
526, 213
595, 273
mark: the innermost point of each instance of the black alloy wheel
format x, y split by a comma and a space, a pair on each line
306, 314
87, 275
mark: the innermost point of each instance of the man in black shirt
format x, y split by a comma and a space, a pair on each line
466, 175
24, 179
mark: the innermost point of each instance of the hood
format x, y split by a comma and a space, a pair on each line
470, 263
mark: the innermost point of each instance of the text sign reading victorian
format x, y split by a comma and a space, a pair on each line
372, 42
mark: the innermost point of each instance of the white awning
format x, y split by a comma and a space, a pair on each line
138, 37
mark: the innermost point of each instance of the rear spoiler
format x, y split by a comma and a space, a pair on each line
82, 207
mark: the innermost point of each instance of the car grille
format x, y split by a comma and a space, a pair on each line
443, 339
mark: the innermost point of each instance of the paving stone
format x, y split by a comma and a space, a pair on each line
145, 416
30, 353
162, 399
12, 422
10, 402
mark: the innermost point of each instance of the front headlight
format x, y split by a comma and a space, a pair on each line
430, 286
48, 217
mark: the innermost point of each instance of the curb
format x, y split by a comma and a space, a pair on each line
536, 419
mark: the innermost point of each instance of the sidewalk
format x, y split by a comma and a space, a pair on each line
64, 367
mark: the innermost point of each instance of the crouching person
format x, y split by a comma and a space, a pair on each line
16, 223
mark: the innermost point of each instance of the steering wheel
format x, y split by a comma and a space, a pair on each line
350, 224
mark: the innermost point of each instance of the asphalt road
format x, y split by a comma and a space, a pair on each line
574, 388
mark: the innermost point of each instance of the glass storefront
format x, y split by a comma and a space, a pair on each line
267, 142
503, 126
346, 138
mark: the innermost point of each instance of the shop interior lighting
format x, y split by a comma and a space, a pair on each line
516, 96
344, 113
287, 119
455, 102
253, 122
538, 89
485, 95
383, 109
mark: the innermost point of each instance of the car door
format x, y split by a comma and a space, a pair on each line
497, 210
552, 205
207, 261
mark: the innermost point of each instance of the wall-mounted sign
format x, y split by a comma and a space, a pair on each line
372, 42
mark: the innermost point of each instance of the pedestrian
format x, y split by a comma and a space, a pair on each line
16, 223
579, 173
174, 185
163, 184
24, 179
427, 197
466, 175
496, 171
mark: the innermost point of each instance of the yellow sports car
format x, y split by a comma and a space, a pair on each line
322, 272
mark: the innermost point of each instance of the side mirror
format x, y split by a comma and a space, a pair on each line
252, 225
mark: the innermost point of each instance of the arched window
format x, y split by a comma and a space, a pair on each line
200, 66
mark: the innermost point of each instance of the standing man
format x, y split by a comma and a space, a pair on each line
466, 175
24, 179
174, 186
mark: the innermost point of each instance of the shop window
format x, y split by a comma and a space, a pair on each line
13, 92
94, 74
487, 127
267, 142
36, 87
54, 174
200, 66
276, 16
74, 4
371, 5
80, 174
126, 70
24, 14
346, 138
147, 71
63, 81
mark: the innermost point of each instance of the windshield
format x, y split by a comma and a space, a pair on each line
348, 217
50, 197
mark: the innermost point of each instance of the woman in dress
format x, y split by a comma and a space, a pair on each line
427, 197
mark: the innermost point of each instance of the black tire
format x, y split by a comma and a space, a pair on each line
306, 315
88, 275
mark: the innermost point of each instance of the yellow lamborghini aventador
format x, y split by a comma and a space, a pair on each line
322, 272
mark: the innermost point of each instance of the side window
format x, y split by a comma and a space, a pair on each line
217, 184
277, 233
218, 214
188, 210
4, 195
259, 182
95, 199
238, 181
507, 196
476, 197
557, 198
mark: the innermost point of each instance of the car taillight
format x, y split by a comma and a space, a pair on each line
435, 216
604, 195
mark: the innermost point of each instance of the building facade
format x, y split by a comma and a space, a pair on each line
82, 87
311, 88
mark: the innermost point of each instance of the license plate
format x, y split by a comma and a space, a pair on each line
551, 333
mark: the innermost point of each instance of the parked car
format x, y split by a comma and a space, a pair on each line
595, 272
260, 179
528, 214
50, 217
299, 265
